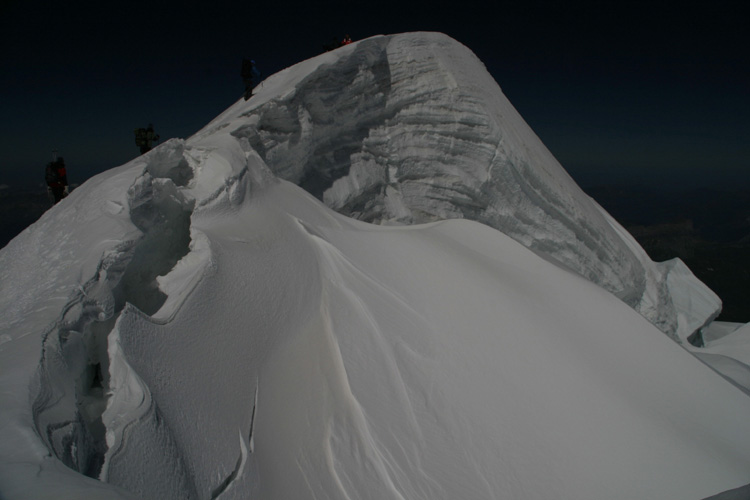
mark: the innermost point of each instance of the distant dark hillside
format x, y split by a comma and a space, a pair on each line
709, 230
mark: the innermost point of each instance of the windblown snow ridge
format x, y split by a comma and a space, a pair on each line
73, 380
439, 361
411, 128
91, 406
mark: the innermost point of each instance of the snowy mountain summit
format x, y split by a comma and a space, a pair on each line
430, 317
412, 129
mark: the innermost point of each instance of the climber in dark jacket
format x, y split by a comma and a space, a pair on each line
57, 179
145, 137
249, 74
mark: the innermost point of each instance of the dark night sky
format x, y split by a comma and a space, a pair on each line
628, 93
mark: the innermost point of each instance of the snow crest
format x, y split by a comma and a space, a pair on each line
87, 397
211, 330
412, 129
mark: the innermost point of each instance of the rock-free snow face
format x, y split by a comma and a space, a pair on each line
194, 325
412, 129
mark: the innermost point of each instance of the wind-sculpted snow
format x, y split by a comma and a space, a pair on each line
190, 326
345, 360
74, 375
412, 129
727, 350
138, 235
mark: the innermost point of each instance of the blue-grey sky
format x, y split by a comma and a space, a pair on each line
627, 93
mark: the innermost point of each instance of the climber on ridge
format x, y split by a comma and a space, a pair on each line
249, 73
145, 137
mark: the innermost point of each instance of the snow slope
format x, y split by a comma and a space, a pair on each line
729, 352
190, 325
412, 129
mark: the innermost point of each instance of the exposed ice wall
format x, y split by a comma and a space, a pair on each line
411, 128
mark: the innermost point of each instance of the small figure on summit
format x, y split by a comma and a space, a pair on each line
145, 137
249, 73
346, 41
57, 179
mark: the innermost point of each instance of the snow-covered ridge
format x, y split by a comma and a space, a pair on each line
209, 330
412, 129
121, 241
